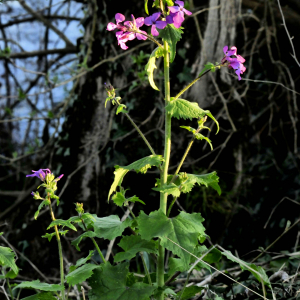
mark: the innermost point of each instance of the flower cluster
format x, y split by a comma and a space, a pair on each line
234, 60
44, 175
130, 30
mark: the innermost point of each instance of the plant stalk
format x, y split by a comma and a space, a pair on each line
61, 260
164, 173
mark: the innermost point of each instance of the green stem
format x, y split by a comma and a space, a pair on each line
95, 243
164, 173
170, 206
186, 282
145, 268
61, 260
10, 290
188, 86
139, 131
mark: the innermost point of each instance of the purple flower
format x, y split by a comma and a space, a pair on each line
234, 60
40, 174
32, 193
119, 18
152, 20
177, 14
136, 24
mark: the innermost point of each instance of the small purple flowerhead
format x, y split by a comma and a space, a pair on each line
152, 21
234, 60
177, 14
32, 193
40, 174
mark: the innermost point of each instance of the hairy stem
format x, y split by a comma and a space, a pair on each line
61, 260
164, 173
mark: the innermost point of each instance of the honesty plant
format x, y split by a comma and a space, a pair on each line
183, 234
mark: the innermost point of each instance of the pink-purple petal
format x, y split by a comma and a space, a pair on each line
140, 36
161, 24
119, 18
174, 9
225, 48
155, 16
111, 26
148, 21
187, 12
140, 22
178, 19
180, 3
154, 31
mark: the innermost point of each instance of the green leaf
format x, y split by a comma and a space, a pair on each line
83, 260
119, 198
76, 242
110, 227
200, 136
42, 204
109, 283
156, 224
189, 292
187, 181
207, 67
7, 258
141, 165
184, 230
175, 265
11, 274
21, 94
63, 223
169, 189
81, 274
146, 7
41, 296
120, 109
171, 35
36, 284
49, 236
150, 66
181, 108
258, 272
132, 245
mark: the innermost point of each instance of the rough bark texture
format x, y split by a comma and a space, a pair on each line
220, 31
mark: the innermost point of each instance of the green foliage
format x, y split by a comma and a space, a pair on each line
5, 52
121, 108
76, 242
258, 272
198, 135
62, 223
185, 230
132, 245
141, 165
171, 35
109, 283
207, 67
82, 261
189, 292
150, 66
171, 189
49, 236
81, 274
146, 7
37, 285
43, 203
41, 296
175, 265
7, 258
110, 227
119, 198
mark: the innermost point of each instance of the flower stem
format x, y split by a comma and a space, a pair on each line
61, 260
164, 173
139, 131
188, 86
